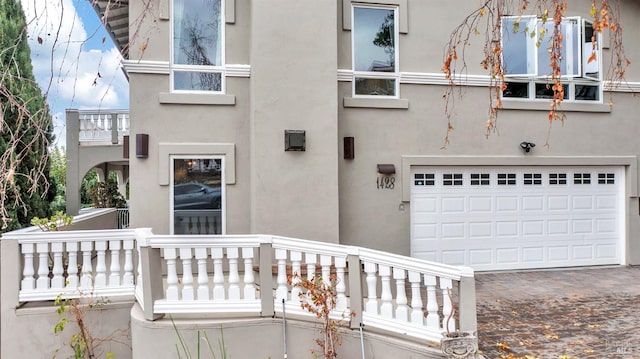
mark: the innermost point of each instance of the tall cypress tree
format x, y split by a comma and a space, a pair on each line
26, 127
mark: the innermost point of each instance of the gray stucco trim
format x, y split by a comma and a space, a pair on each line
543, 105
196, 99
376, 102
229, 12
629, 162
166, 150
402, 10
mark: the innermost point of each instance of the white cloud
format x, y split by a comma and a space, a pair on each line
74, 76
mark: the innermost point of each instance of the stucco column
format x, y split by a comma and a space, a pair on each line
294, 87
74, 178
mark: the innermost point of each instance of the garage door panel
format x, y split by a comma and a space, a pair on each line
453, 205
516, 217
506, 203
558, 203
480, 230
532, 203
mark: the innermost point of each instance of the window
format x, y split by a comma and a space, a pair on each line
582, 178
532, 178
557, 178
197, 196
374, 52
424, 179
452, 179
197, 60
479, 179
526, 42
506, 179
606, 178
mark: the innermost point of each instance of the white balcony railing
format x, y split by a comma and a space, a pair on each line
105, 125
246, 276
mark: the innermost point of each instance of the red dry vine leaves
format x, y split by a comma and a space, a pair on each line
485, 21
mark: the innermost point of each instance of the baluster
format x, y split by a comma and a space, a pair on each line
371, 279
57, 281
281, 280
187, 274
296, 270
249, 286
114, 269
218, 275
86, 280
433, 319
234, 278
417, 316
43, 266
448, 320
203, 276
127, 278
325, 265
28, 279
310, 259
139, 270
72, 265
101, 265
402, 310
386, 298
172, 275
341, 287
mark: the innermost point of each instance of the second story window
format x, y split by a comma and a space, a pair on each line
375, 52
526, 42
197, 59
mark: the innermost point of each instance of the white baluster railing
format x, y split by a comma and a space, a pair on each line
99, 125
231, 288
217, 275
66, 261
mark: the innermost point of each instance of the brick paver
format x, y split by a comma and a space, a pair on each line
570, 313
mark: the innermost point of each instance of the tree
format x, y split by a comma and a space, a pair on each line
25, 127
485, 23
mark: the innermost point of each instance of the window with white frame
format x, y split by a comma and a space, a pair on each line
525, 44
374, 39
197, 195
197, 59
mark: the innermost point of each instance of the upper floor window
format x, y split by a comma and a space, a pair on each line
375, 52
525, 44
197, 60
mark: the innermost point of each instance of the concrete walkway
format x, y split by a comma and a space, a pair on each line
560, 314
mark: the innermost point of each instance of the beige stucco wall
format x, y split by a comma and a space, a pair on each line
261, 338
295, 51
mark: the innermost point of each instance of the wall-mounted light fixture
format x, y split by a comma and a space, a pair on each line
125, 146
527, 146
349, 148
294, 140
386, 169
142, 145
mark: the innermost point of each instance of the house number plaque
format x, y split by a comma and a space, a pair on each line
386, 182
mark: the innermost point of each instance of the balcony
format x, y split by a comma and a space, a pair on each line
388, 305
95, 140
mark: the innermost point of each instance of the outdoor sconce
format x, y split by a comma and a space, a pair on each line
294, 140
527, 146
386, 169
125, 146
349, 148
142, 145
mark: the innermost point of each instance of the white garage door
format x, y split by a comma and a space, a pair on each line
493, 218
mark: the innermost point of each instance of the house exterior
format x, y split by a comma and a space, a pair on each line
317, 131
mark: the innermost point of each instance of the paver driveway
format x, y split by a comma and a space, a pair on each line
563, 313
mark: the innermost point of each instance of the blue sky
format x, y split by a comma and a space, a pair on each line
73, 63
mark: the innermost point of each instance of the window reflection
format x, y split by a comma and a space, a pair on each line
197, 196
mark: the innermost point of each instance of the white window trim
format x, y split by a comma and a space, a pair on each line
223, 211
570, 80
221, 69
378, 75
